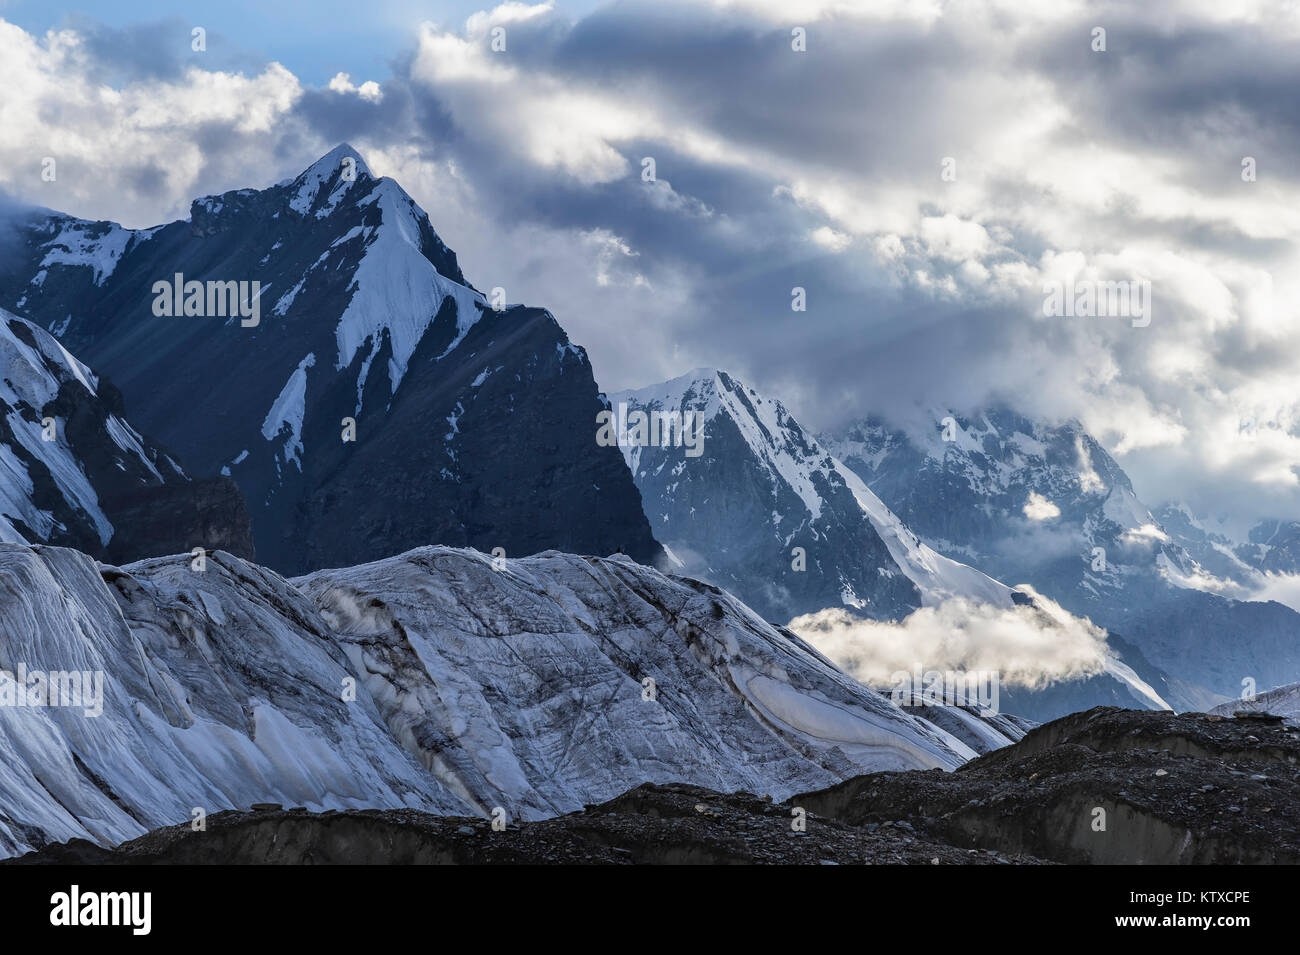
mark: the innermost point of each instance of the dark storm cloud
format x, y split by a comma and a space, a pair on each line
852, 101
868, 100
158, 50
1227, 90
821, 170
403, 115
14, 211
745, 247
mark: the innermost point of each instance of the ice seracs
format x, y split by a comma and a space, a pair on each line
441, 679
219, 690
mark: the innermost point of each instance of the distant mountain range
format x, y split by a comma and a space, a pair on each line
1042, 504
768, 512
1235, 566
881, 521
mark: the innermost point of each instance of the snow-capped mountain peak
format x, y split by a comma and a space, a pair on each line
1011, 473
354, 411
769, 430
397, 291
318, 189
759, 461
768, 512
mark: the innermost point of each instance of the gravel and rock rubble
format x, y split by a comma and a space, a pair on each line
673, 824
1192, 788
1170, 789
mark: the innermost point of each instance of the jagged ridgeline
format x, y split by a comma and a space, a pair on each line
317, 342
767, 512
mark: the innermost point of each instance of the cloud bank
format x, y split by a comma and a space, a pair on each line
921, 170
1030, 647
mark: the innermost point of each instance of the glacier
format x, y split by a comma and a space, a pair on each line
441, 679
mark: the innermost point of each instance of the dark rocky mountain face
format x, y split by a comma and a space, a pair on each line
74, 472
1273, 546
175, 517
1171, 790
1046, 505
465, 423
495, 449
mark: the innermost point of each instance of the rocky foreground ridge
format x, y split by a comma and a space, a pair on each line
1191, 788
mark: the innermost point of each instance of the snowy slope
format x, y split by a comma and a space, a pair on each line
73, 471
33, 367
474, 684
937, 577
761, 492
940, 578
75, 244
395, 290
1234, 561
